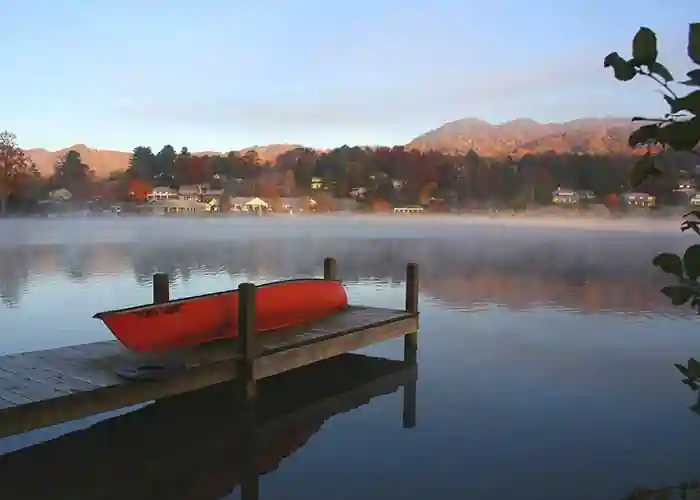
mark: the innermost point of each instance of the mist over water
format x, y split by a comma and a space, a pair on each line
130, 229
546, 350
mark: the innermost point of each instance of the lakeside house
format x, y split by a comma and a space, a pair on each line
59, 195
191, 200
199, 192
240, 204
409, 210
259, 205
178, 206
569, 197
160, 193
189, 192
639, 200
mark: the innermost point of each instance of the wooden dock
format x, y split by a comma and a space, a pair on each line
43, 388
189, 445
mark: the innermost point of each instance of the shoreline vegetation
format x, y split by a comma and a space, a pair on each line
363, 179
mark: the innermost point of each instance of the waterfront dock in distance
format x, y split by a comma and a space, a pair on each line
43, 388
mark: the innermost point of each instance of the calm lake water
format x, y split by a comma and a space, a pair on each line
546, 351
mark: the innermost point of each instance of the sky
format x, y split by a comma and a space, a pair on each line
228, 74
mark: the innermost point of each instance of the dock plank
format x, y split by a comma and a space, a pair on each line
22, 366
351, 319
195, 439
13, 384
52, 386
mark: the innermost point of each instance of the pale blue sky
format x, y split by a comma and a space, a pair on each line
220, 75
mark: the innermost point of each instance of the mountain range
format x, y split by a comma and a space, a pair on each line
522, 136
517, 138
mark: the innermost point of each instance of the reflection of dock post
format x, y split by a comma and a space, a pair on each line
245, 374
330, 269
161, 288
410, 346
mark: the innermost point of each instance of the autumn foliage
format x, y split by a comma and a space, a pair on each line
195, 170
380, 176
138, 189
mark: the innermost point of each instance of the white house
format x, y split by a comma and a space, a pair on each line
190, 192
256, 205
60, 194
241, 204
644, 200
174, 206
162, 193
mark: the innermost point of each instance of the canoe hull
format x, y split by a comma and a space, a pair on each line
205, 318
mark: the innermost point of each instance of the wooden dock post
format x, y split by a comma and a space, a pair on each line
410, 346
161, 288
246, 339
410, 343
330, 269
248, 393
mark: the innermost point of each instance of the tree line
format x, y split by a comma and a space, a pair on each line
392, 175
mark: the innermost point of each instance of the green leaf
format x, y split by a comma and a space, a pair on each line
694, 387
691, 262
624, 70
612, 59
681, 135
672, 103
684, 371
644, 49
693, 78
642, 170
694, 42
693, 368
691, 102
643, 135
670, 263
659, 69
679, 294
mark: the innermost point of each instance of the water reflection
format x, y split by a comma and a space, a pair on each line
189, 446
520, 398
569, 273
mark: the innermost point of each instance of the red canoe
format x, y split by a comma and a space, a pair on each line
203, 318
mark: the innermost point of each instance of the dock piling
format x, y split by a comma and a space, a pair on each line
247, 396
330, 269
412, 285
246, 338
161, 288
410, 346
